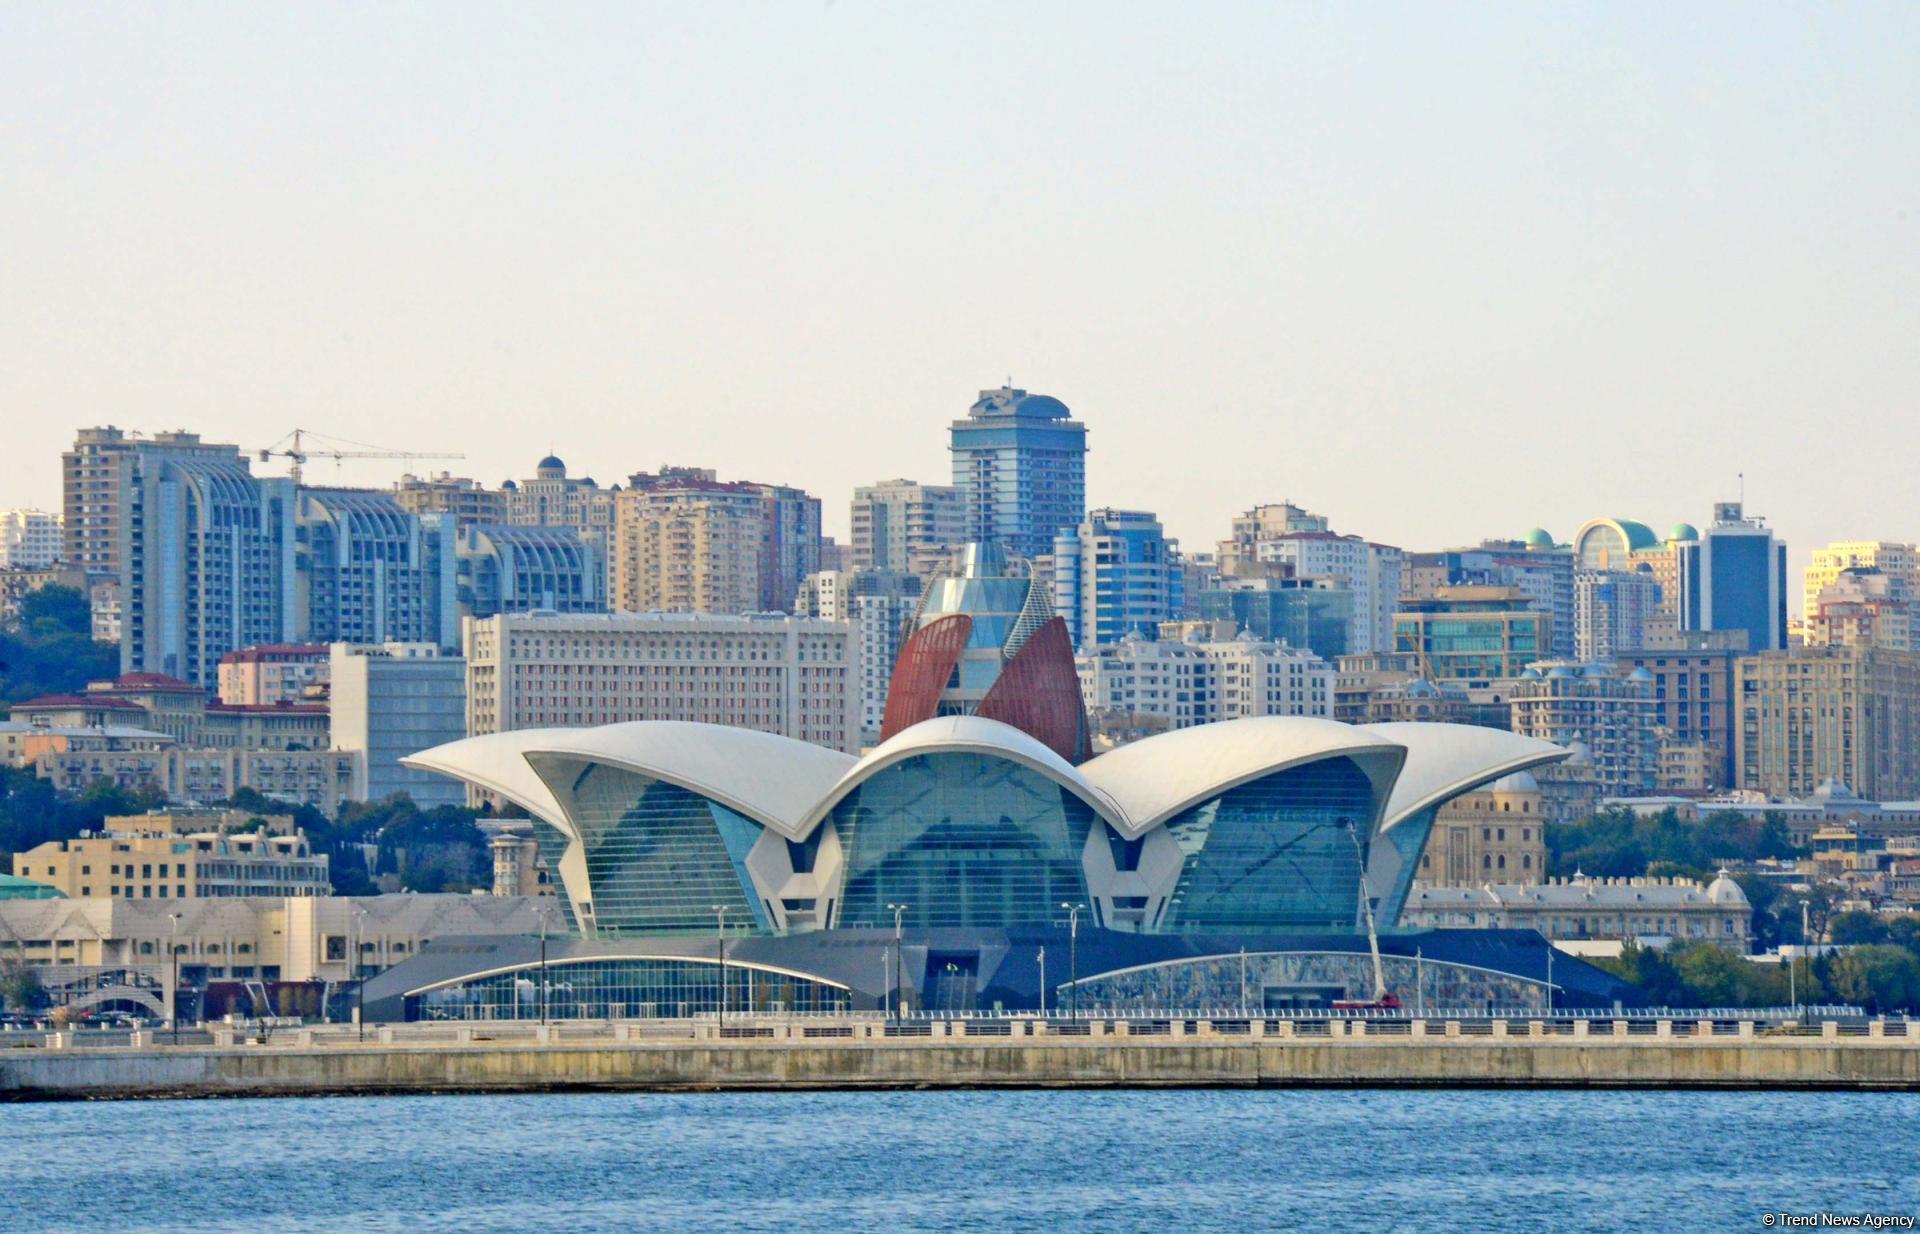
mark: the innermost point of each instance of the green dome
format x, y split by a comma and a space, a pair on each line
1538, 538
15, 888
1683, 531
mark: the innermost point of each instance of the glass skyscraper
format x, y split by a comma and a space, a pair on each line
1020, 463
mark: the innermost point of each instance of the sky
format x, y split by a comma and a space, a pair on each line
1438, 271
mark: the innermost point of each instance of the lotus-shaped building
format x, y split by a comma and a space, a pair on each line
1247, 827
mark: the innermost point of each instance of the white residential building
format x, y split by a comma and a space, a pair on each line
789, 675
1613, 612
29, 539
906, 526
1181, 684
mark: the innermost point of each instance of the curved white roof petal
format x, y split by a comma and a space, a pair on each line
965, 735
771, 779
1154, 779
496, 762
1445, 760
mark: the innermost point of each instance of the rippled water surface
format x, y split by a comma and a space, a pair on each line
1150, 1160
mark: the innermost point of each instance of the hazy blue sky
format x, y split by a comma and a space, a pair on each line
1437, 271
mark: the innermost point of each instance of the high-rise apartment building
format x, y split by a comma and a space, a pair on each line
1370, 571
1020, 463
95, 475
29, 539
686, 542
907, 527
369, 572
1614, 718
393, 700
688, 551
1114, 575
1613, 612
788, 675
1263, 523
1693, 707
468, 501
1862, 606
1472, 633
1899, 563
1850, 715
206, 556
1618, 545
508, 569
1734, 577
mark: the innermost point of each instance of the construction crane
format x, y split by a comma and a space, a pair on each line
293, 447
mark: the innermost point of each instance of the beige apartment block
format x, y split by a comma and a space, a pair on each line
1850, 715
1899, 562
176, 867
795, 676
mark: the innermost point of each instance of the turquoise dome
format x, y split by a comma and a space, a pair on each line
1683, 531
1538, 538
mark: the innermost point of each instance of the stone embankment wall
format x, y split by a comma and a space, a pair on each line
468, 1066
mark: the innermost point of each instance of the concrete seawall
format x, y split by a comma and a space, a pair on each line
1040, 1063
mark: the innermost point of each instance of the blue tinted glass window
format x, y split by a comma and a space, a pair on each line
659, 858
1274, 854
962, 840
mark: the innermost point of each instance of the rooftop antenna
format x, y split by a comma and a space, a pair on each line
1742, 476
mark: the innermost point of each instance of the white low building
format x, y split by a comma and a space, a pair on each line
1655, 911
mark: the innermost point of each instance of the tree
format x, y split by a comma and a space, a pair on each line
20, 988
1856, 927
49, 649
1879, 978
49, 611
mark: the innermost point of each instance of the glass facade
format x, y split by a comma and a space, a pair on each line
963, 840
1261, 982
625, 988
659, 858
1409, 840
1274, 854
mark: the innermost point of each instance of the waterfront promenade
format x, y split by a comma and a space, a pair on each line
830, 1053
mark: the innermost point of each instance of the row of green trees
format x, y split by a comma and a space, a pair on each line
1883, 978
1623, 844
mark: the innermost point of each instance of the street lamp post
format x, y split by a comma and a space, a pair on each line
173, 991
543, 963
1549, 976
1073, 952
720, 910
1803, 947
1243, 981
893, 987
1043, 983
359, 984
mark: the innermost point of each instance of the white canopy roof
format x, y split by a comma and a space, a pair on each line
1154, 779
1445, 760
771, 779
965, 735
